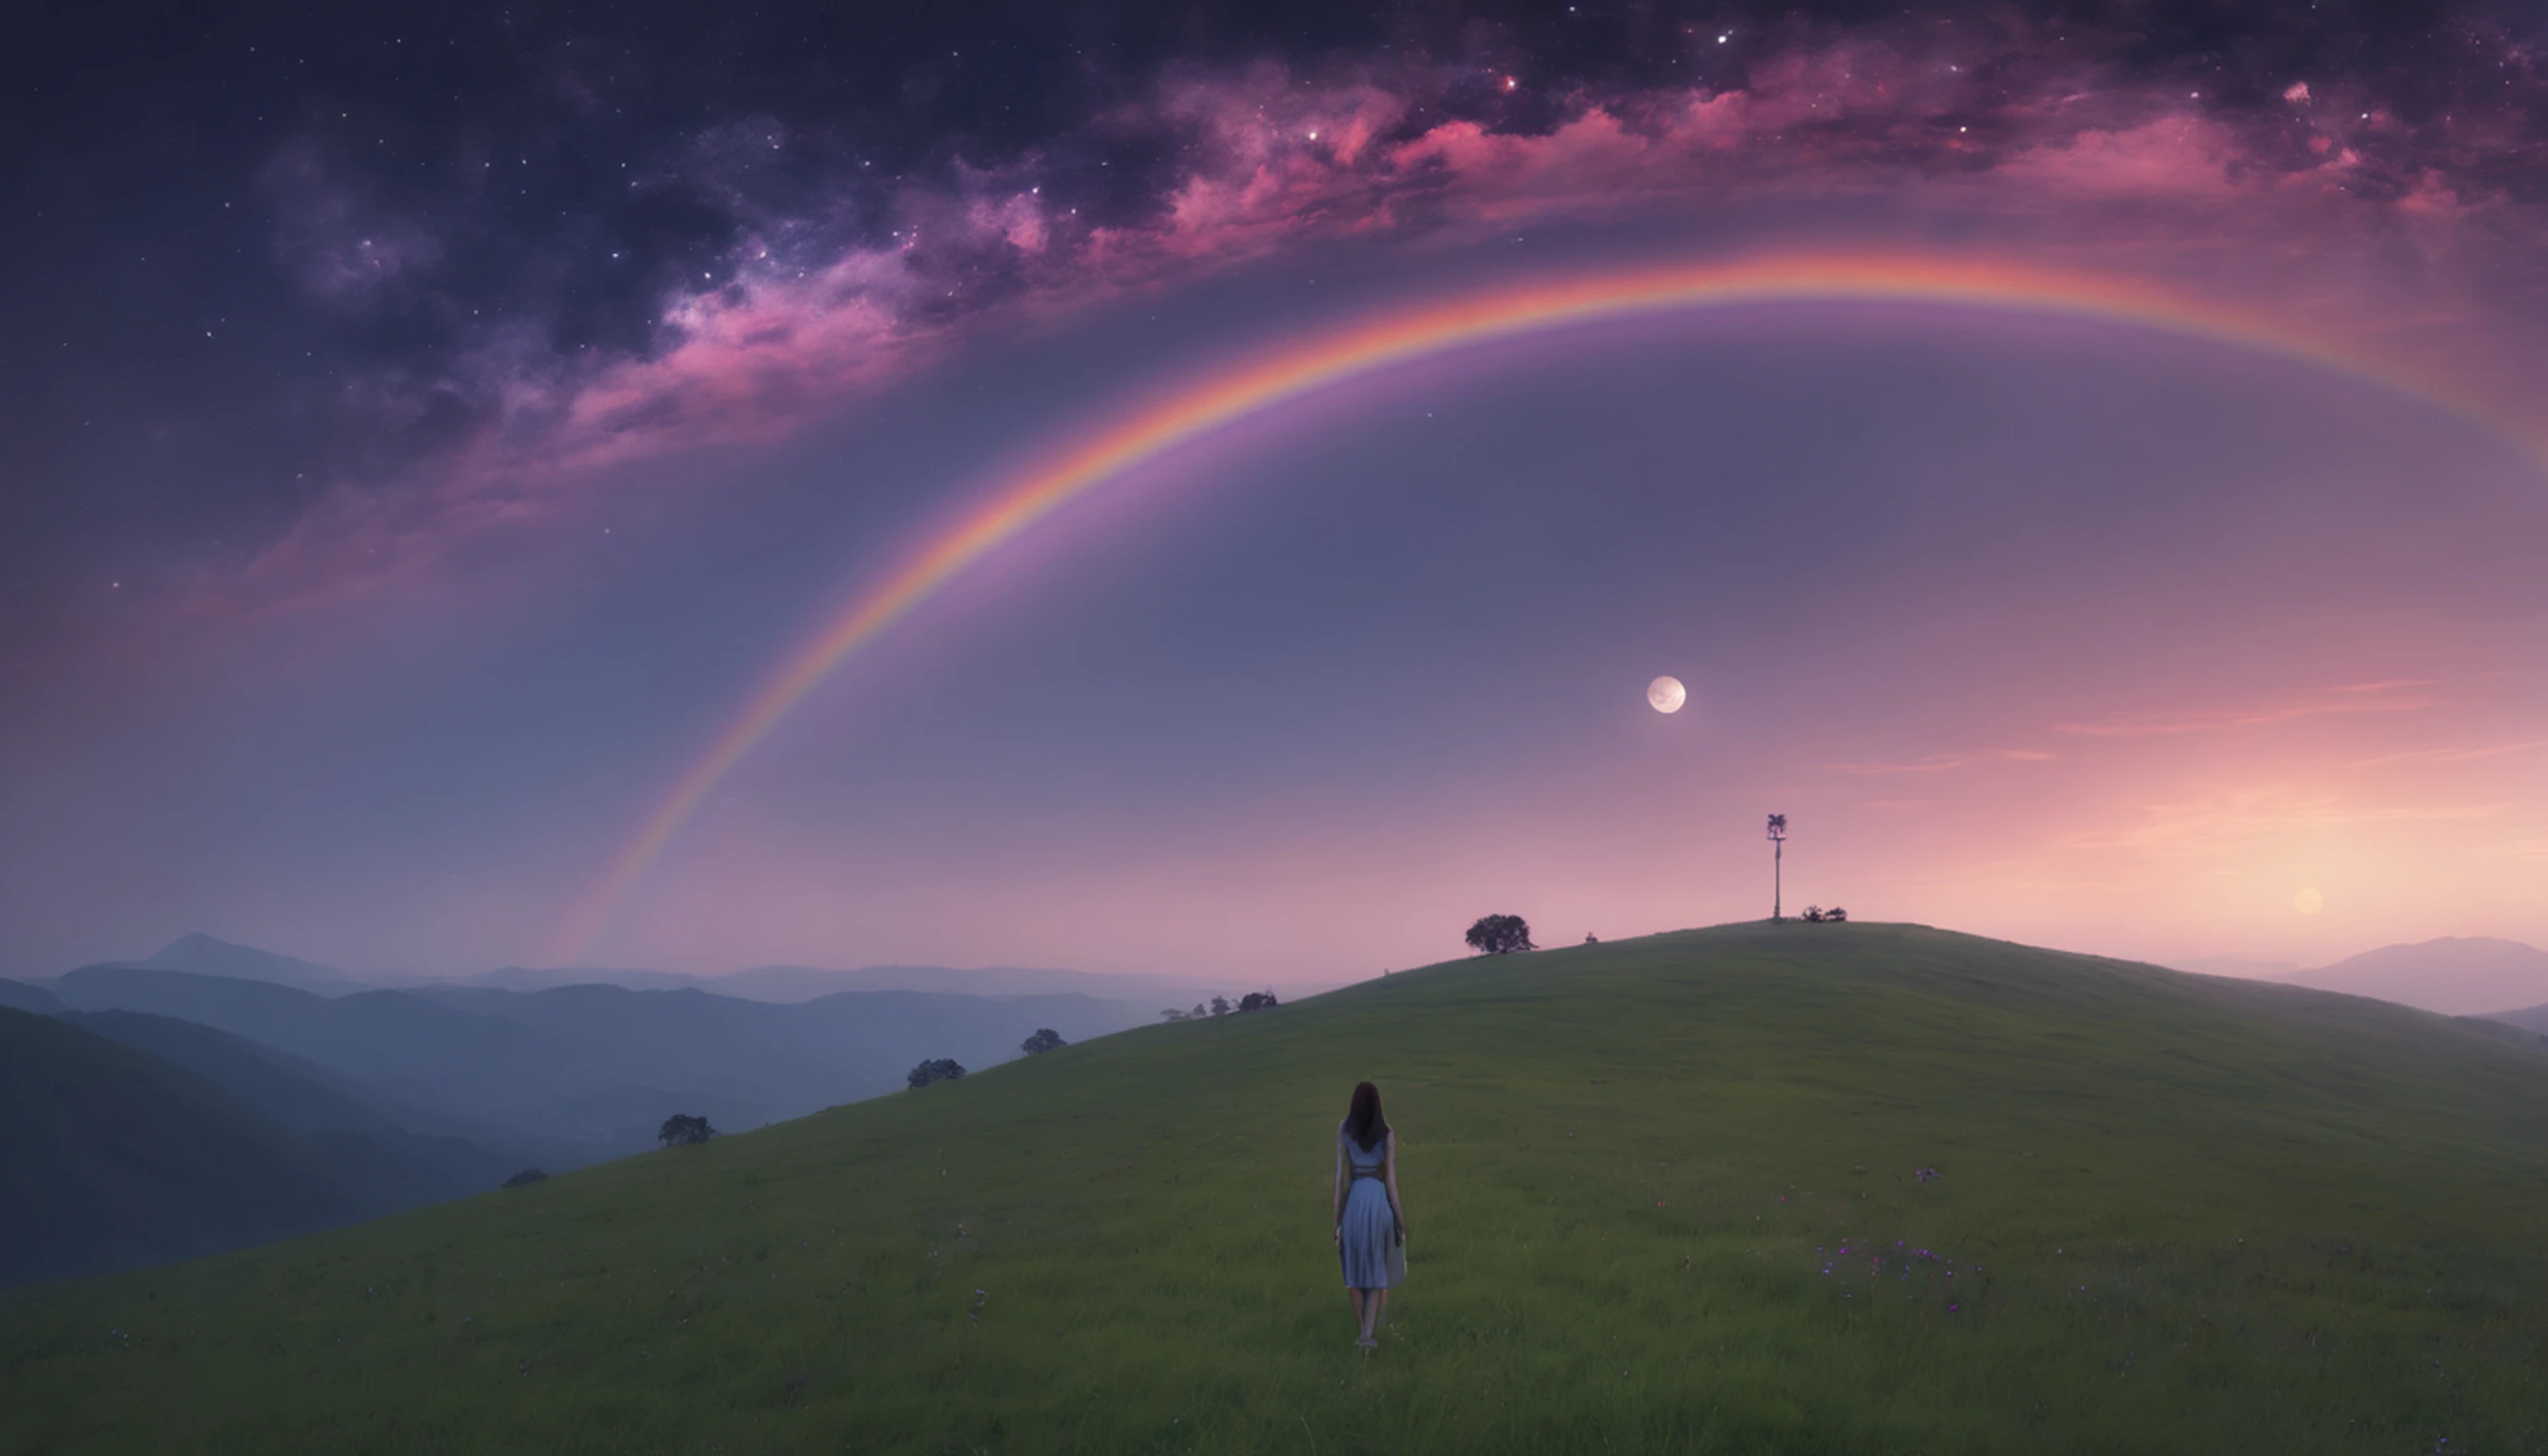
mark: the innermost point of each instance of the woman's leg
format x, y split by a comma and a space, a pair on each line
1353, 1296
1370, 1311
1379, 1316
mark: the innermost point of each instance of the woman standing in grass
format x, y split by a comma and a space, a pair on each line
1371, 1227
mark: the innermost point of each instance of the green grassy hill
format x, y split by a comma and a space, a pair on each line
1661, 1197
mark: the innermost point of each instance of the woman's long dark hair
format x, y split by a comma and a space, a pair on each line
1363, 1122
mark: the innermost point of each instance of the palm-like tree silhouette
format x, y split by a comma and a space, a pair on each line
1778, 853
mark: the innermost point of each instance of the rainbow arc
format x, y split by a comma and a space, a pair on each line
1303, 367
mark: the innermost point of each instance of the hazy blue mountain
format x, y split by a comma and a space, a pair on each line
528, 978
215, 1000
805, 982
2454, 976
292, 1092
205, 956
793, 984
595, 1069
20, 996
400, 1047
118, 1158
384, 1166
392, 1041
788, 1059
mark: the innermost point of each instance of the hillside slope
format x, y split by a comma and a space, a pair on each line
383, 1166
18, 996
118, 1158
1755, 1188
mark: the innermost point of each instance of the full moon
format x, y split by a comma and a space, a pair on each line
1667, 695
2309, 902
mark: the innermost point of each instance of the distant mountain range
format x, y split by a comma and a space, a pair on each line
122, 1156
2453, 975
20, 996
599, 1068
203, 955
215, 1095
785, 984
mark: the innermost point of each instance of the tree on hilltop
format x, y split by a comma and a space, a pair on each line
1257, 1001
1220, 1006
1499, 934
682, 1129
935, 1069
1045, 1040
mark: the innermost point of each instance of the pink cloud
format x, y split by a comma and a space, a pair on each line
2244, 816
2374, 697
1274, 161
2456, 755
1947, 763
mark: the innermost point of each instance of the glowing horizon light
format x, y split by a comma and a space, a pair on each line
1290, 371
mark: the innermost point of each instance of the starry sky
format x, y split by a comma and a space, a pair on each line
430, 427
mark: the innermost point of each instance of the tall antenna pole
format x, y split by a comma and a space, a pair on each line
1778, 862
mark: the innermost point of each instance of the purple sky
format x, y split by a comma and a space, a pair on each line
432, 483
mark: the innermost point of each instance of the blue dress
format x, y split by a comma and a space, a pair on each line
1374, 1255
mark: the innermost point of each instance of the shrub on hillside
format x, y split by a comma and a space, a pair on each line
525, 1178
1045, 1039
1499, 934
1257, 1001
682, 1129
935, 1069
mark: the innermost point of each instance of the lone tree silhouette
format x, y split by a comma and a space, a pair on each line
1045, 1040
1499, 934
1257, 1001
935, 1069
1778, 853
682, 1129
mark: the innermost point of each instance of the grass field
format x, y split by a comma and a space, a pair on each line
1660, 1196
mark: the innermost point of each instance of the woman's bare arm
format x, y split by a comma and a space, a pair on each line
1340, 1185
1388, 1172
